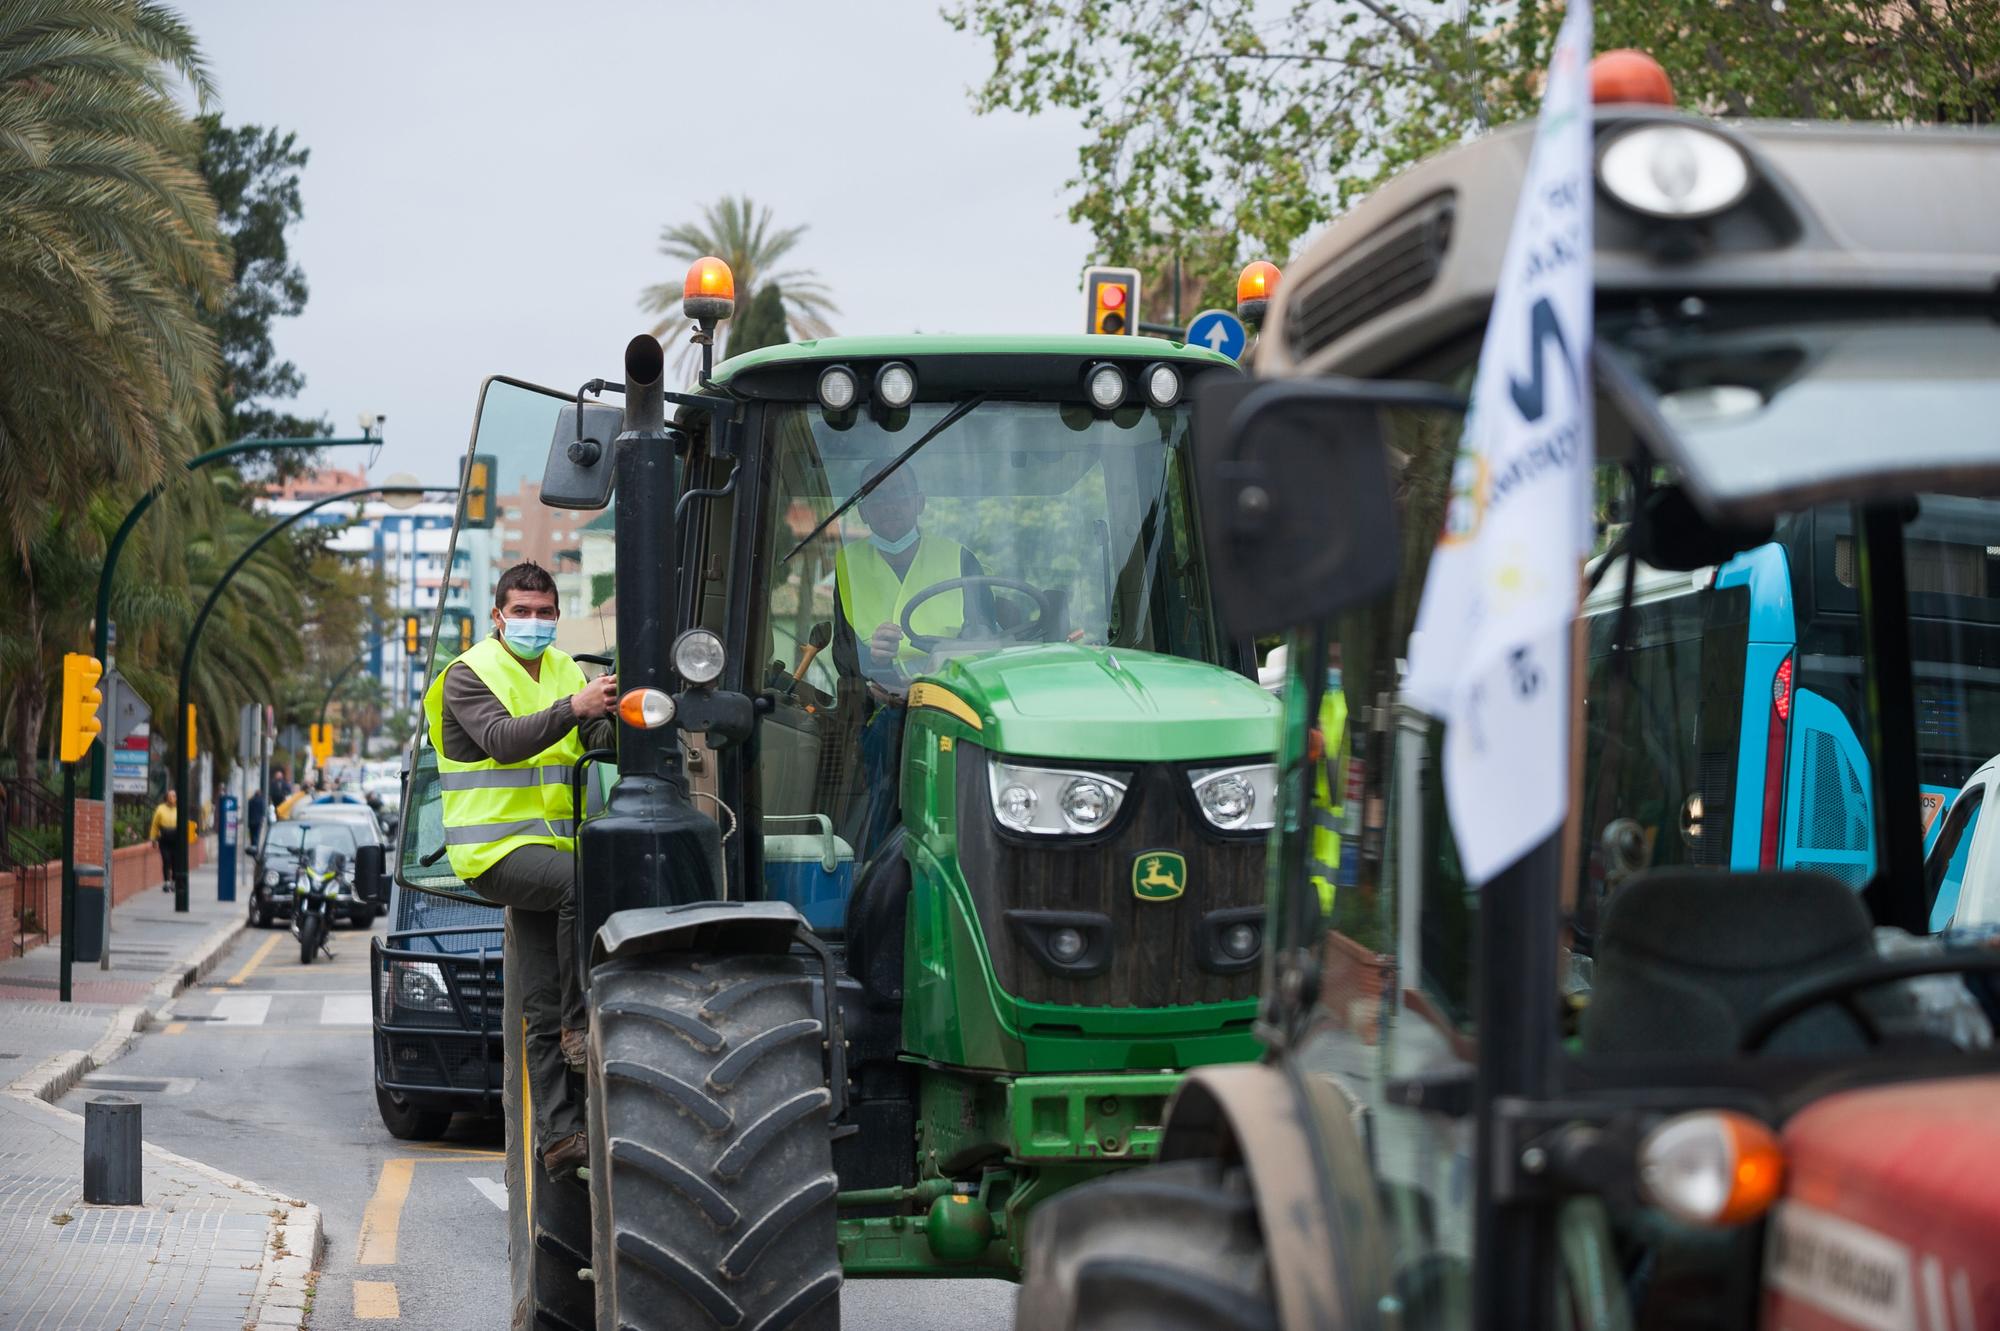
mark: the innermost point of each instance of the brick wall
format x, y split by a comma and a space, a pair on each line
134, 869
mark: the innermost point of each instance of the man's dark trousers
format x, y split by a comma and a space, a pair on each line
534, 884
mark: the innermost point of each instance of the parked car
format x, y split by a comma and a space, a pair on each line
437, 987
289, 844
385, 797
340, 809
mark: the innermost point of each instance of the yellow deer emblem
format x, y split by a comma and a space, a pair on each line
1159, 875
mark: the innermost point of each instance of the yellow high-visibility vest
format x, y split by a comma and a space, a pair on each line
1329, 796
871, 593
492, 809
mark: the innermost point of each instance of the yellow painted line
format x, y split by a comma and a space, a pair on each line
375, 1300
379, 1223
176, 1028
455, 1152
256, 960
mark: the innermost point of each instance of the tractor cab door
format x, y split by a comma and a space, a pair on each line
504, 514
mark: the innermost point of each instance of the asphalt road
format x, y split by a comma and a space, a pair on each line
267, 1073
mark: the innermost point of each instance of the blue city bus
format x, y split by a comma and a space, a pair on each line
1741, 724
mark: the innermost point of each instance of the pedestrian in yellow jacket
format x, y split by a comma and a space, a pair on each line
166, 821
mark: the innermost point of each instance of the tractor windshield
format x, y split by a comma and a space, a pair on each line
1020, 523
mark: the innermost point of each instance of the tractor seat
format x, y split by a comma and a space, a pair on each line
875, 919
1685, 960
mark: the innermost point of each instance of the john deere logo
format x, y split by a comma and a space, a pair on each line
1159, 875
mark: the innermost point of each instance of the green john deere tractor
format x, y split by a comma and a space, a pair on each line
923, 705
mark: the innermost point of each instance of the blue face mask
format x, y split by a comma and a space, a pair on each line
895, 547
529, 637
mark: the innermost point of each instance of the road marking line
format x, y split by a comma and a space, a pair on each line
468, 1152
346, 1010
176, 1028
256, 960
384, 1215
492, 1190
375, 1300
242, 1009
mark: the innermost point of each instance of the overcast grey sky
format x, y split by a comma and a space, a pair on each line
488, 180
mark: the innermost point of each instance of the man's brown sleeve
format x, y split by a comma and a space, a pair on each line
477, 725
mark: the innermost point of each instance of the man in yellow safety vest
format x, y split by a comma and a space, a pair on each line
1330, 753
877, 578
508, 720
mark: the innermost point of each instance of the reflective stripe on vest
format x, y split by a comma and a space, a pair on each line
492, 809
872, 594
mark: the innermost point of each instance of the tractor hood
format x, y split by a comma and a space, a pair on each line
1063, 700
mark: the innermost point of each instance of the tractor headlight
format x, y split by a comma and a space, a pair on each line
1049, 801
1163, 384
837, 388
1237, 799
1107, 387
698, 657
1066, 944
1674, 171
895, 385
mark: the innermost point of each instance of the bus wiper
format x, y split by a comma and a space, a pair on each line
949, 419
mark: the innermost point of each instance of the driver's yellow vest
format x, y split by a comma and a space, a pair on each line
492, 809
872, 594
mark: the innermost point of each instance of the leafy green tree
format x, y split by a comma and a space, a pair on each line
1230, 128
741, 234
253, 173
763, 323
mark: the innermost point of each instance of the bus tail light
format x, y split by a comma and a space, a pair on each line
1776, 744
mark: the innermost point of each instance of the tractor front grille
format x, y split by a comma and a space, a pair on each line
1156, 953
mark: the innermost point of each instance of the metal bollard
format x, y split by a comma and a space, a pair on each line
113, 1172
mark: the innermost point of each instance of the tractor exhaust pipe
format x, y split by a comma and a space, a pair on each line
650, 846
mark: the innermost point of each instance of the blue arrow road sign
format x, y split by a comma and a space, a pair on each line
1218, 330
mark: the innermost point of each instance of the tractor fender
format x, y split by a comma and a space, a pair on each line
1296, 1137
722, 928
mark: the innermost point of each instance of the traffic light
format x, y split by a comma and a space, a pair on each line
464, 633
479, 491
1111, 300
189, 734
80, 700
322, 744
413, 630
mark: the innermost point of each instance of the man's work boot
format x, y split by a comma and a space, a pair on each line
575, 1049
566, 1156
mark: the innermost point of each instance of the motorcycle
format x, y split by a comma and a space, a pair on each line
323, 876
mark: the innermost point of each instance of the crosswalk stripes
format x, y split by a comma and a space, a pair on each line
283, 1009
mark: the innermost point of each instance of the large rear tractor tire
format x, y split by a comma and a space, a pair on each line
1172, 1247
712, 1180
548, 1219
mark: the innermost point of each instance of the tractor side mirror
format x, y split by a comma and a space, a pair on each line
1296, 501
370, 880
580, 468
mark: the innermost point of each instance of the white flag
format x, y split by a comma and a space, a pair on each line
1490, 655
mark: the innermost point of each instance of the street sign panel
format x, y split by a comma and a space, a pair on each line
129, 761
128, 712
1218, 330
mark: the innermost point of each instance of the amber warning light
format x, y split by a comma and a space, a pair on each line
709, 293
1255, 286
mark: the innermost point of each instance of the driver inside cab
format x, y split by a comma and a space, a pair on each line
877, 578
879, 575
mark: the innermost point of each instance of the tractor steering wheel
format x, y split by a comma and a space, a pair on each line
1841, 989
1028, 632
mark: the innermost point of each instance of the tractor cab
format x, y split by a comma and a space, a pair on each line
931, 851
1718, 1053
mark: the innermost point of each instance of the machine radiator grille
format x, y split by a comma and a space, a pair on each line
1393, 270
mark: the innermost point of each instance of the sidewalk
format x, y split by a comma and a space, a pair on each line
207, 1251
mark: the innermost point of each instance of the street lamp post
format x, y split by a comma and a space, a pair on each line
194, 640
101, 642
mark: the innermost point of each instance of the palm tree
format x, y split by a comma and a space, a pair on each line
741, 234
108, 250
108, 243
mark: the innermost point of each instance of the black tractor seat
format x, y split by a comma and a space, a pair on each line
1686, 959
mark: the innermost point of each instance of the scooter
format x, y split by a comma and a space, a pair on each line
320, 881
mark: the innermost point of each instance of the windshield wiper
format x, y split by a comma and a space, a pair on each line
949, 419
